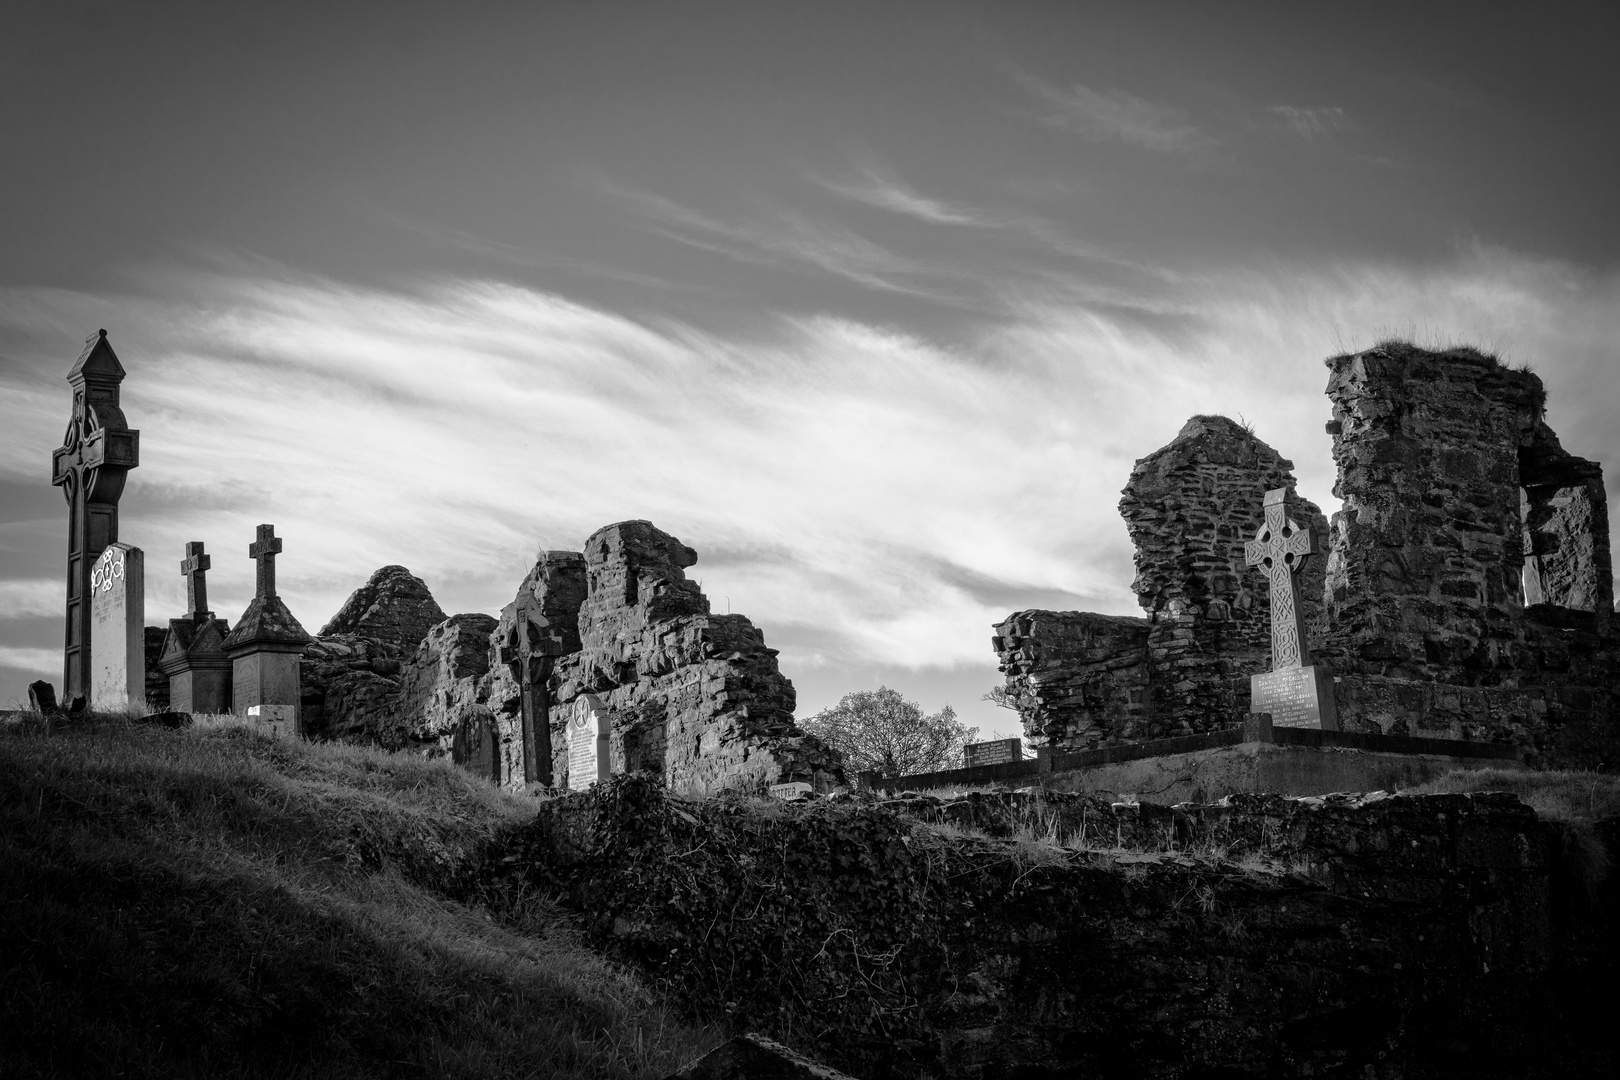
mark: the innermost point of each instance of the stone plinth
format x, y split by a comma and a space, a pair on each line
1296, 697
266, 645
199, 671
118, 629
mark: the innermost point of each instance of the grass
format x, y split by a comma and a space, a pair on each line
211, 902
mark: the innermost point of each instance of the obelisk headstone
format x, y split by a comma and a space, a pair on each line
1295, 692
265, 647
118, 629
587, 743
90, 466
193, 654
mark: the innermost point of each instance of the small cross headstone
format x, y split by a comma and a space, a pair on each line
193, 655
194, 567
587, 743
265, 647
118, 629
1295, 692
264, 549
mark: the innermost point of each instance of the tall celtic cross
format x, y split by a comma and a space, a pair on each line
265, 547
194, 568
1281, 547
97, 452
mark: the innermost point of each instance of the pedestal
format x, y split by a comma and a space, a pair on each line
1296, 697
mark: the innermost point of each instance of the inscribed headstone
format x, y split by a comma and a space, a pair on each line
1295, 692
792, 791
587, 743
118, 629
998, 752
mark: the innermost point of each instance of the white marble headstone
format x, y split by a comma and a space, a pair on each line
587, 743
792, 791
117, 629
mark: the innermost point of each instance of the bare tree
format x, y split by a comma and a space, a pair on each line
880, 731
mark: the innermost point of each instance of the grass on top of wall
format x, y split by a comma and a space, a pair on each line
212, 902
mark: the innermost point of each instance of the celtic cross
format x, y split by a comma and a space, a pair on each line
1281, 547
97, 452
193, 567
264, 549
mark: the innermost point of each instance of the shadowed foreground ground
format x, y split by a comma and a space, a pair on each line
207, 902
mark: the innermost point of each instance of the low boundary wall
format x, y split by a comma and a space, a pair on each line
1254, 757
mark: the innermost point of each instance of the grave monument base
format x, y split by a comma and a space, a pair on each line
1300, 697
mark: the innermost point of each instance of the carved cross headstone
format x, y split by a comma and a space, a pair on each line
97, 452
265, 647
1295, 692
1281, 547
587, 743
194, 568
193, 655
118, 629
264, 549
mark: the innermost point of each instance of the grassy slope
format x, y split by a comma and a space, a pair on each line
208, 902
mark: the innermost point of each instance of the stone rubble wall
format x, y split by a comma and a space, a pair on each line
1078, 679
1420, 936
1190, 507
1460, 505
393, 608
695, 697
443, 689
1088, 680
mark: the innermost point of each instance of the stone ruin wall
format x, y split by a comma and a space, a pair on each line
1087, 680
1466, 586
1470, 588
693, 696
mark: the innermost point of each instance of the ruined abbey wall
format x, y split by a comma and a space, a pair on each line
693, 696
1094, 680
1470, 591
1464, 591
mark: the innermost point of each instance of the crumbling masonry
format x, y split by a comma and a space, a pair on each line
1466, 592
694, 697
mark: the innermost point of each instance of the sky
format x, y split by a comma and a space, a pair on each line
873, 305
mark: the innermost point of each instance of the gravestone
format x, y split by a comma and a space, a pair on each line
118, 629
792, 791
1295, 692
998, 752
90, 466
41, 697
193, 653
265, 647
587, 743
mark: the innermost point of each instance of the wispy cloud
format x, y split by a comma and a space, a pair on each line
1117, 116
1311, 123
24, 598
875, 187
792, 237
